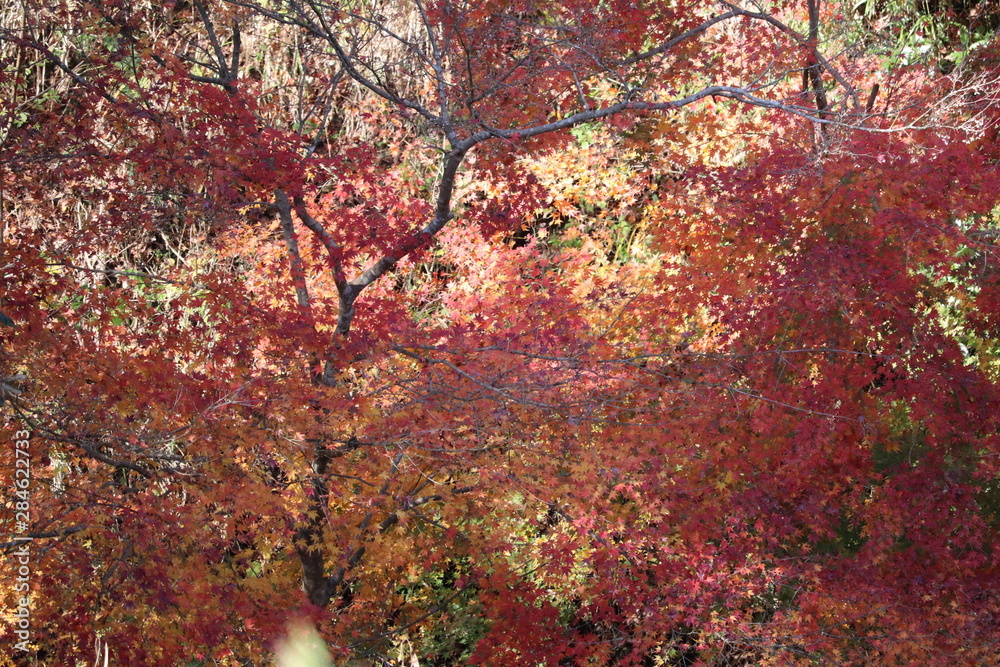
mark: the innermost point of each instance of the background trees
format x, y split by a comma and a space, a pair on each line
506, 333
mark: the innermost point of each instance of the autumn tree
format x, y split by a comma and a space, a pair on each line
501, 332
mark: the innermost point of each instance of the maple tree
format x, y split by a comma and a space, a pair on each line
503, 332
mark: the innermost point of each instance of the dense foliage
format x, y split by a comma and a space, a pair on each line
502, 332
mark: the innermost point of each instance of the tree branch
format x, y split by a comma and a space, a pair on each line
65, 532
333, 250
804, 41
442, 214
227, 72
671, 43
292, 243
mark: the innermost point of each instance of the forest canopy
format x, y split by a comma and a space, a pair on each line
503, 332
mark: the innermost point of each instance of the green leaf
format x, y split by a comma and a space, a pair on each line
6, 321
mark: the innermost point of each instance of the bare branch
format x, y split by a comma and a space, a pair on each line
234, 67
292, 243
27, 538
332, 248
58, 62
220, 57
671, 43
442, 215
803, 40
